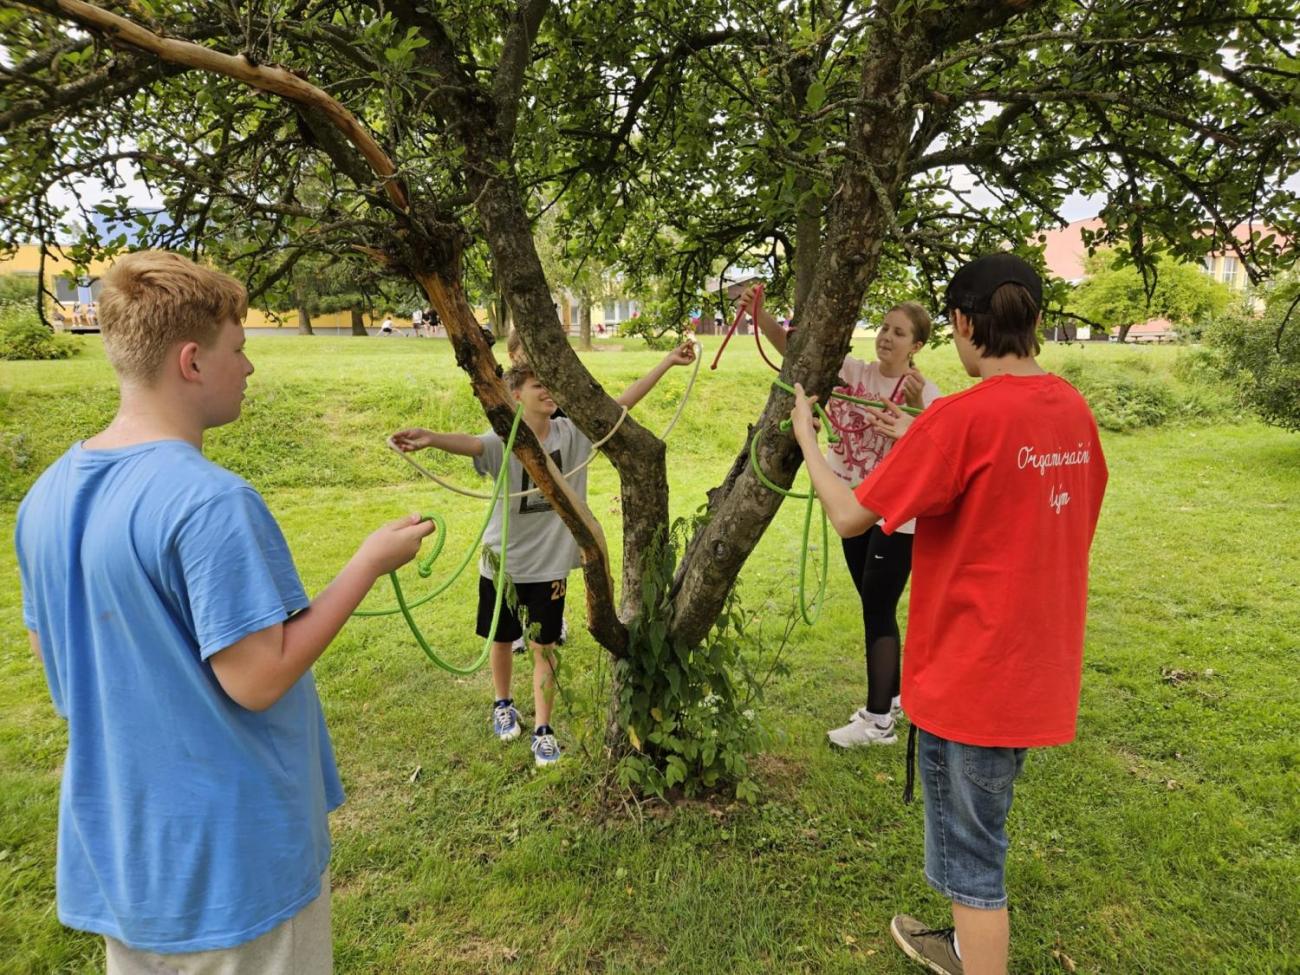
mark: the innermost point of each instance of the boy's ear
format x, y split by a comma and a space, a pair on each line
187, 357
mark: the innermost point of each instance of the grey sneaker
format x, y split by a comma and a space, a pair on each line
546, 750
931, 947
505, 722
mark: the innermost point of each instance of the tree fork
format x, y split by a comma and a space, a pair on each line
474, 356
639, 457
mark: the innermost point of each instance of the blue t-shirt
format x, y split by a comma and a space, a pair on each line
186, 822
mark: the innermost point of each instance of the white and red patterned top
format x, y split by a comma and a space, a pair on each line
862, 447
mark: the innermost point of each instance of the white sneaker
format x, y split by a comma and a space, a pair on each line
863, 730
895, 712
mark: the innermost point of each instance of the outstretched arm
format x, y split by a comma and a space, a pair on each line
680, 356
847, 515
418, 438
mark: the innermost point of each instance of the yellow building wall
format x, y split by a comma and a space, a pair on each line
26, 260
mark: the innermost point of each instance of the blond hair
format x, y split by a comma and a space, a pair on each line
154, 299
515, 348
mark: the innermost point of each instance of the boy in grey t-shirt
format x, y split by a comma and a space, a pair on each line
541, 552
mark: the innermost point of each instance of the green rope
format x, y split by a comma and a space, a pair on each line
810, 613
831, 435
425, 568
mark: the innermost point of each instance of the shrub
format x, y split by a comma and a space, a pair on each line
22, 336
1259, 356
17, 289
1122, 396
1133, 392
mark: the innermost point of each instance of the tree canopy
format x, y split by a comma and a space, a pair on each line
847, 146
1116, 295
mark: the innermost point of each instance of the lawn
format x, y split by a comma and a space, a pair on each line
1166, 839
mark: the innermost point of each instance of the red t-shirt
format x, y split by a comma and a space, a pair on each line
1005, 481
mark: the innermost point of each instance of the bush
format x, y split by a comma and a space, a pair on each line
1260, 358
17, 289
1122, 396
1132, 392
22, 336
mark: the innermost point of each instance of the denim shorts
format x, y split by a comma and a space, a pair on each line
968, 790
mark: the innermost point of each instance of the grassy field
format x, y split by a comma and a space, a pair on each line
1166, 839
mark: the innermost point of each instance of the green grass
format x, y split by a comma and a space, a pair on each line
1166, 839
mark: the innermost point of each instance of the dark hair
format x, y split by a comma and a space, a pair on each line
517, 375
1009, 327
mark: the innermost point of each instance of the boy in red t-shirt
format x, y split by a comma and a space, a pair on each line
1005, 481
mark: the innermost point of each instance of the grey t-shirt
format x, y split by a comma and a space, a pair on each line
540, 548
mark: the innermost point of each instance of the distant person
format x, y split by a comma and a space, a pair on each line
386, 326
1005, 481
178, 642
432, 320
417, 321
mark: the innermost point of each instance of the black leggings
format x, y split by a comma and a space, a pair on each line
880, 565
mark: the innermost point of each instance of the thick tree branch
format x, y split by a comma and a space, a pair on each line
112, 81
514, 62
279, 81
870, 182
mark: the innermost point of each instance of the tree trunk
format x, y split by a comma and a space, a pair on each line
741, 509
1123, 332
304, 321
861, 218
358, 322
808, 223
584, 322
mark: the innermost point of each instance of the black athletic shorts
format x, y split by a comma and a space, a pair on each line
541, 604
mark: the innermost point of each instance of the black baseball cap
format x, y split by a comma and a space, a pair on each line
971, 288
